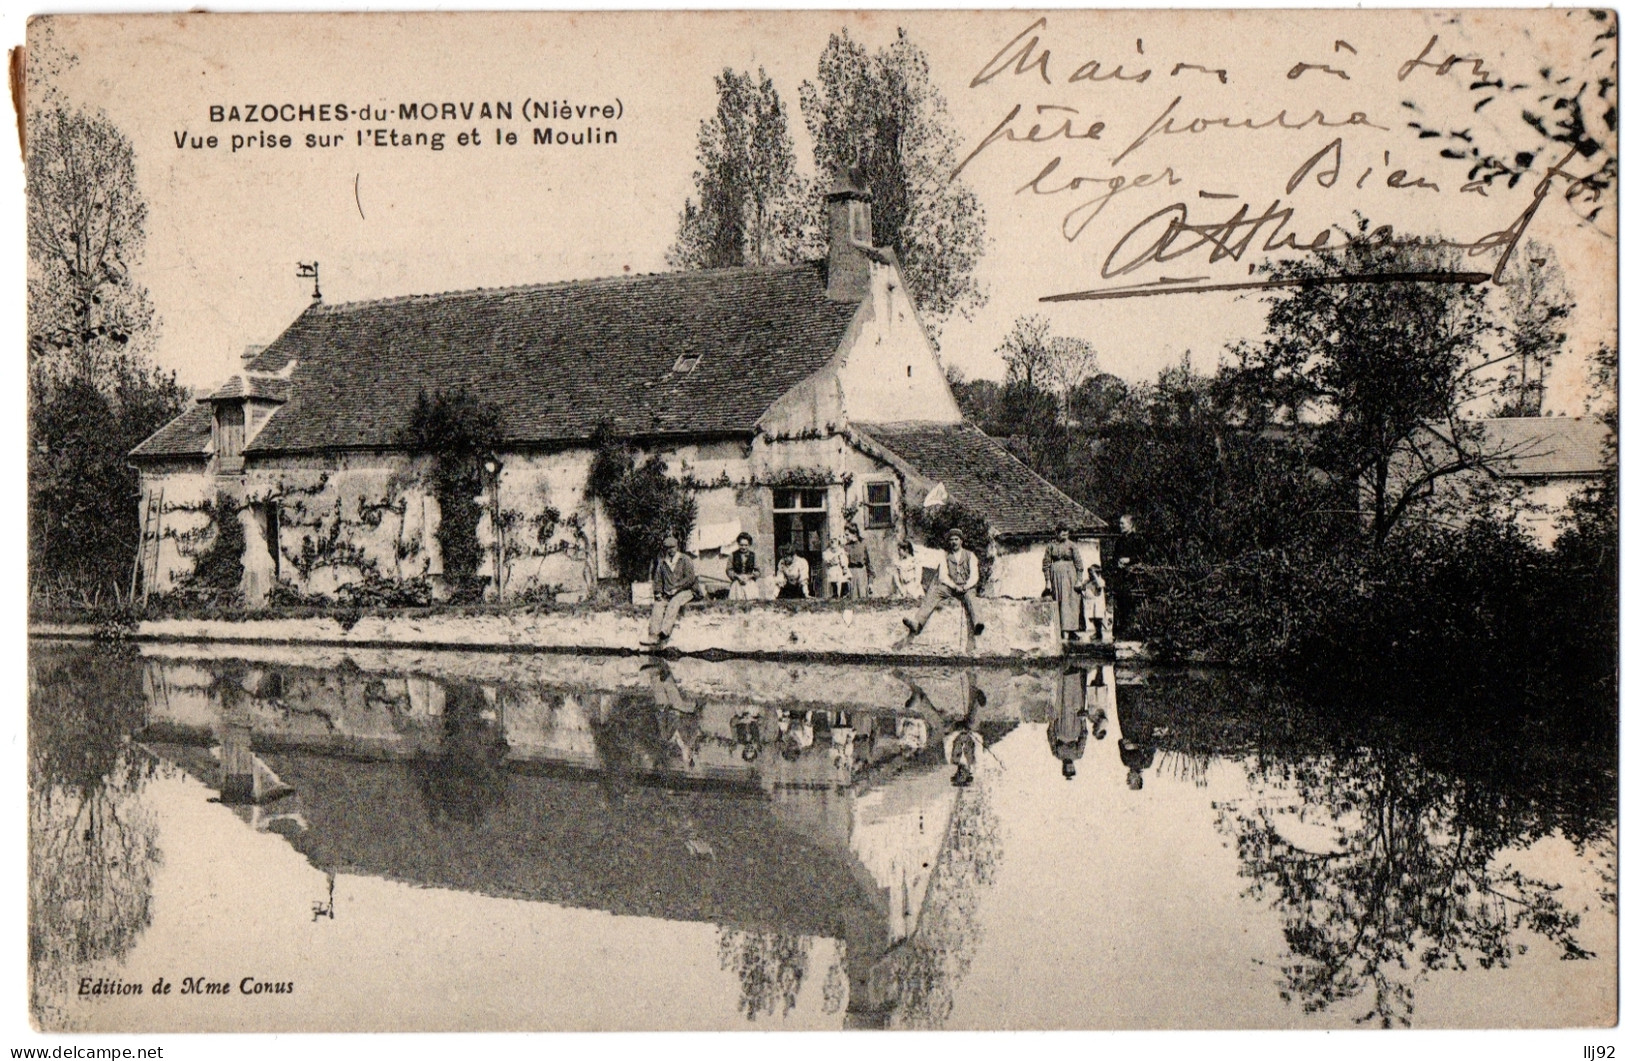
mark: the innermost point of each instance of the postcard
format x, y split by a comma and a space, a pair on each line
705, 521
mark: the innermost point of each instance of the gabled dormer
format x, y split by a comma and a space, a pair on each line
241, 407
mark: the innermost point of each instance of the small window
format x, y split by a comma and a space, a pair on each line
792, 500
685, 363
877, 501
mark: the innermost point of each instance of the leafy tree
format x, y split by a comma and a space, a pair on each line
1537, 304
1569, 109
93, 395
86, 228
92, 841
1099, 401
1408, 877
753, 207
770, 965
978, 399
1038, 358
1373, 365
1579, 608
83, 516
1041, 372
879, 112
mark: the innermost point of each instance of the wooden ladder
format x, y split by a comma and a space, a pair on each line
145, 569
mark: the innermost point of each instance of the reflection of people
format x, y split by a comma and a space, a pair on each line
742, 570
747, 730
959, 747
1094, 702
1067, 734
795, 734
912, 733
673, 585
1137, 741
679, 719
1063, 570
1093, 592
842, 746
905, 573
956, 578
962, 741
792, 574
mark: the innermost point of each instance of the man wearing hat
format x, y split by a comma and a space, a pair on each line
673, 584
956, 577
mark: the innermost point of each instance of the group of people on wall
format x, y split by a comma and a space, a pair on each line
1078, 588
851, 569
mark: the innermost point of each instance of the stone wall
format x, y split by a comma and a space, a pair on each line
185, 530
184, 683
1015, 630
315, 524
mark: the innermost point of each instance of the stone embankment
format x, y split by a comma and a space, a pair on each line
869, 630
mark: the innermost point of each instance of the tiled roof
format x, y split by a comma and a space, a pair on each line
1541, 446
558, 359
243, 385
617, 855
185, 436
984, 476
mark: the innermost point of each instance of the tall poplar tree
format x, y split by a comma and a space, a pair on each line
93, 392
751, 206
880, 113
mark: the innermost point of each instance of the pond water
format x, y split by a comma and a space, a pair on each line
320, 839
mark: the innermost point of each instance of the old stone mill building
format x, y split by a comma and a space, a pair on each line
790, 398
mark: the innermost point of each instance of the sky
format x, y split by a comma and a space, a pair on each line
227, 227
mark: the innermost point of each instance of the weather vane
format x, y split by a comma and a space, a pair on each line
312, 271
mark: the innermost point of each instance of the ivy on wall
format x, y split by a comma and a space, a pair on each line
217, 574
460, 434
643, 503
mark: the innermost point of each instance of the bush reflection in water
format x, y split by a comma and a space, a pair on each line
1381, 838
92, 845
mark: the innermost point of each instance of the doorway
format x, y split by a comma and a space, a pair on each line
801, 519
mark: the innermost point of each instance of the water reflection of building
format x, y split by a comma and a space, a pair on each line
799, 801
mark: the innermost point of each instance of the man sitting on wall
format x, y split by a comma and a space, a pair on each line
956, 577
674, 582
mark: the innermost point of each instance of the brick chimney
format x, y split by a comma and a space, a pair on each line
849, 240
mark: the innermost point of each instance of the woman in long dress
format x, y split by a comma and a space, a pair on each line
1068, 731
1063, 571
742, 570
